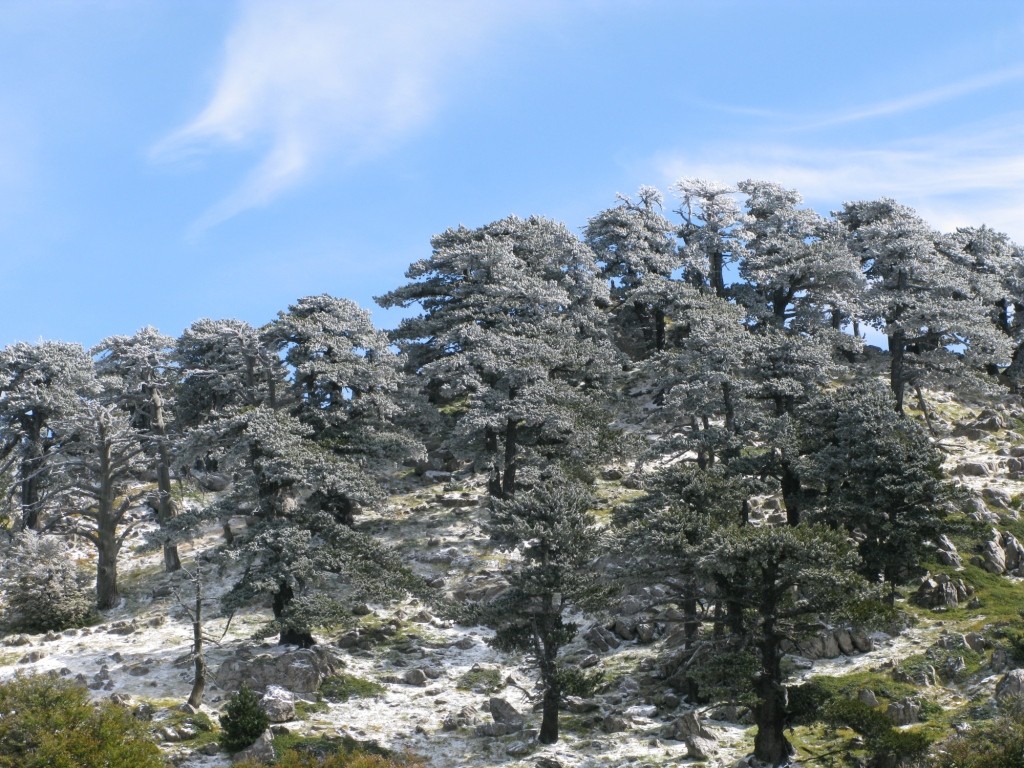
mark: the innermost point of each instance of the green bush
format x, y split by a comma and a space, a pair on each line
888, 745
243, 721
996, 744
50, 723
574, 681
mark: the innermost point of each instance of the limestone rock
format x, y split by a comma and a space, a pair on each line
973, 469
464, 718
600, 639
415, 676
212, 481
279, 704
947, 553
904, 712
261, 750
1010, 686
700, 742
941, 591
614, 724
867, 696
299, 671
505, 714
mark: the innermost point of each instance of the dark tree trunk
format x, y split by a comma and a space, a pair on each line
30, 492
508, 483
691, 624
491, 446
549, 719
106, 571
897, 367
165, 509
31, 467
718, 274
289, 635
1015, 372
790, 482
730, 407
659, 330
770, 743
172, 562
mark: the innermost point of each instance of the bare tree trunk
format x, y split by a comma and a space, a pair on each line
195, 698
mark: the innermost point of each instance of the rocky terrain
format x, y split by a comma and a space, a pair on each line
407, 680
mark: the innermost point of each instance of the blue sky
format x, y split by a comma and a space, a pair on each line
166, 161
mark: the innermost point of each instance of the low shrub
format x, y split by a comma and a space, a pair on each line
51, 723
243, 721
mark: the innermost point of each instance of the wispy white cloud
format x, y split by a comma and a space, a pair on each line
971, 176
915, 101
311, 81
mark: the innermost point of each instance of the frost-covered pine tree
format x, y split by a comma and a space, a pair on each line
711, 232
919, 297
44, 589
97, 469
39, 383
995, 265
344, 379
224, 363
306, 449
141, 378
636, 249
552, 527
300, 550
796, 269
697, 384
511, 343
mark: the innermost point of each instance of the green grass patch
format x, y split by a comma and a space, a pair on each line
825, 745
481, 680
326, 746
303, 709
341, 688
1001, 599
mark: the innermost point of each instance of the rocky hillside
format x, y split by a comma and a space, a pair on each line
404, 679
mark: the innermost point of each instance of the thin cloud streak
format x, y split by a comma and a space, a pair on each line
920, 100
318, 81
965, 179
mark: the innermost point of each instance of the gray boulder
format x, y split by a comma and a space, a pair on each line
505, 714
947, 553
1010, 686
261, 750
700, 742
904, 712
464, 718
299, 671
279, 704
